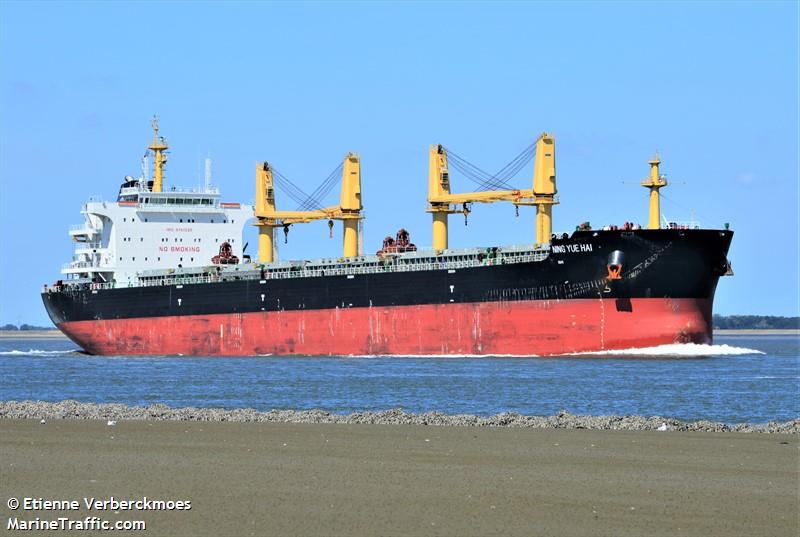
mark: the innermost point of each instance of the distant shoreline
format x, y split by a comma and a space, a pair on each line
757, 332
31, 334
56, 334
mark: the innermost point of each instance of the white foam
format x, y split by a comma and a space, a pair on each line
36, 351
679, 349
435, 356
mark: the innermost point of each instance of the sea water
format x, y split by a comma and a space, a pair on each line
738, 379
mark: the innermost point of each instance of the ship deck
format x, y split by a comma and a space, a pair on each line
420, 260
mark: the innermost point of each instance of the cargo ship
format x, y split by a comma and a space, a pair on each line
163, 271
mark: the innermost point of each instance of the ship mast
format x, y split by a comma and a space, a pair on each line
654, 182
158, 147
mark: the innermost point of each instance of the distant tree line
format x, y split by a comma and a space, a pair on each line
755, 322
25, 327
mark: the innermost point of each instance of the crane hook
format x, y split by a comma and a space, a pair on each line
285, 233
465, 210
516, 209
330, 228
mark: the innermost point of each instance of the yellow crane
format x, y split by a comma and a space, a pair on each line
348, 210
441, 202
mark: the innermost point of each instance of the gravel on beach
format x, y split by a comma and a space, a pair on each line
76, 410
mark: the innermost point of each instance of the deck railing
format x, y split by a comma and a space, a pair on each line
254, 272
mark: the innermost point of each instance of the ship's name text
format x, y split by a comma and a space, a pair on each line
571, 248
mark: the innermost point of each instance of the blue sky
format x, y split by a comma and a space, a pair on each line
712, 86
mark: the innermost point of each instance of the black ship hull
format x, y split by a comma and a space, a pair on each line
595, 290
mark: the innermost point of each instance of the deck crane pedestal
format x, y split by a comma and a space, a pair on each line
348, 210
441, 202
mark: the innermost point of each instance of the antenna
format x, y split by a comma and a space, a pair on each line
208, 174
145, 169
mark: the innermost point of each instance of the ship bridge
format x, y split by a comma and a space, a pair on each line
151, 226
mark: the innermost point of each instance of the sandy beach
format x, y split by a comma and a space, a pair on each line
334, 479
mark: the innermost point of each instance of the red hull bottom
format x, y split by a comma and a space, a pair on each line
540, 328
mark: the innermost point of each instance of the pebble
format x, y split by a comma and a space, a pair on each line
111, 412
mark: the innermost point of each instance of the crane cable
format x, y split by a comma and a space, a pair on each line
472, 172
498, 181
314, 201
306, 201
292, 190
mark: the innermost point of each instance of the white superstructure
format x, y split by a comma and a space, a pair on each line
147, 230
